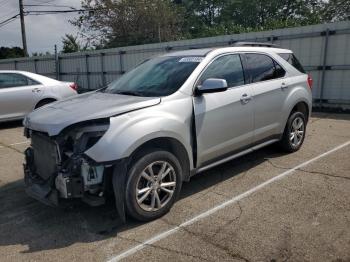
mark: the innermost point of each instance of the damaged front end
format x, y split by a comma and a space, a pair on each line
56, 168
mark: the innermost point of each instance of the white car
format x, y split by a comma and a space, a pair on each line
21, 92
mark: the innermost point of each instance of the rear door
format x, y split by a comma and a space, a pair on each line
270, 87
18, 95
224, 120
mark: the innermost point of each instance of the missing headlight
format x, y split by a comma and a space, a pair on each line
76, 140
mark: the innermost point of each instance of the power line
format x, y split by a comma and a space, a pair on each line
57, 11
43, 2
13, 12
43, 5
9, 20
44, 12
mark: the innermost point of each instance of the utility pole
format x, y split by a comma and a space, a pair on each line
23, 29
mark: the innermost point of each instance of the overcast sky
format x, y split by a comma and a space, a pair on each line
43, 32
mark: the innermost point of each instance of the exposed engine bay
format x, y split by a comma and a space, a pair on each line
57, 168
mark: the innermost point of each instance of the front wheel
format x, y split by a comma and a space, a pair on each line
153, 184
294, 133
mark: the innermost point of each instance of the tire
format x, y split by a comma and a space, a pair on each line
294, 133
144, 206
44, 102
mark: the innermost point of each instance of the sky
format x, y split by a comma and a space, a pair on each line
44, 31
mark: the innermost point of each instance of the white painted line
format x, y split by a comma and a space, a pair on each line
19, 143
205, 214
15, 144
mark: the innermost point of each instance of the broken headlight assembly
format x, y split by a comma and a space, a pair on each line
79, 176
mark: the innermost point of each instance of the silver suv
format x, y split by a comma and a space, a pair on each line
171, 117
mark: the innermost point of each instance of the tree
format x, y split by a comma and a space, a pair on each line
129, 22
71, 44
11, 52
336, 10
112, 23
41, 53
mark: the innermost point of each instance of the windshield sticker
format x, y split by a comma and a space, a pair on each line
191, 59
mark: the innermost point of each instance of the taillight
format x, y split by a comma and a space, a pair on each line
74, 86
310, 81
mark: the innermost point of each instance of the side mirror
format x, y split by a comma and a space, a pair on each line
212, 85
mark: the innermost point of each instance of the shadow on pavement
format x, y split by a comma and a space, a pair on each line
11, 124
337, 116
24, 221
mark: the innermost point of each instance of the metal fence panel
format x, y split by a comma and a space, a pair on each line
46, 67
323, 50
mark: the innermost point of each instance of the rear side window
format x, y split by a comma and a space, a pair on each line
15, 80
32, 82
291, 59
228, 67
263, 67
279, 71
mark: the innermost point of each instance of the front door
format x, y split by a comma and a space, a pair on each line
224, 120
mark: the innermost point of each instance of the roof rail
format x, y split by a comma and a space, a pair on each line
238, 43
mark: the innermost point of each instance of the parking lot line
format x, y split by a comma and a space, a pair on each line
213, 210
16, 144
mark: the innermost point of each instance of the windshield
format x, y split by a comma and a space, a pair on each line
160, 76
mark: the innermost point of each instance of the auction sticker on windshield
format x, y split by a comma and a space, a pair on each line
191, 59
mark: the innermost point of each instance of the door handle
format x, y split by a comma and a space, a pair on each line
284, 86
36, 90
245, 98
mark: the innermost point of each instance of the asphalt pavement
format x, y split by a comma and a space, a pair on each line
265, 206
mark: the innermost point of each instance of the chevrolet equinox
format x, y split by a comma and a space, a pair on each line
169, 118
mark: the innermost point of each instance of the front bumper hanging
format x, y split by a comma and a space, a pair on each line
35, 186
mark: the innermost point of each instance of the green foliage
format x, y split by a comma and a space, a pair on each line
130, 22
71, 44
41, 54
335, 10
11, 52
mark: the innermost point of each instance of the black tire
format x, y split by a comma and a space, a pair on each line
286, 143
44, 102
134, 179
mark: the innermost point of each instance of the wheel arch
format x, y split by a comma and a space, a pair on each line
303, 107
45, 99
169, 144
299, 99
122, 166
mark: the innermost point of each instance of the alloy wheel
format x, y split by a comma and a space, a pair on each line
156, 186
297, 132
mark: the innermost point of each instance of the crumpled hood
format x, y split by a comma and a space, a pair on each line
54, 117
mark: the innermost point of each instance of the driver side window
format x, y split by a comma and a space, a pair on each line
228, 67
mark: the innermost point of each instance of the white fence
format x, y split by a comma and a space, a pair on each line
324, 50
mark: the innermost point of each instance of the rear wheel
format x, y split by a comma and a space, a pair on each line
153, 184
294, 133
